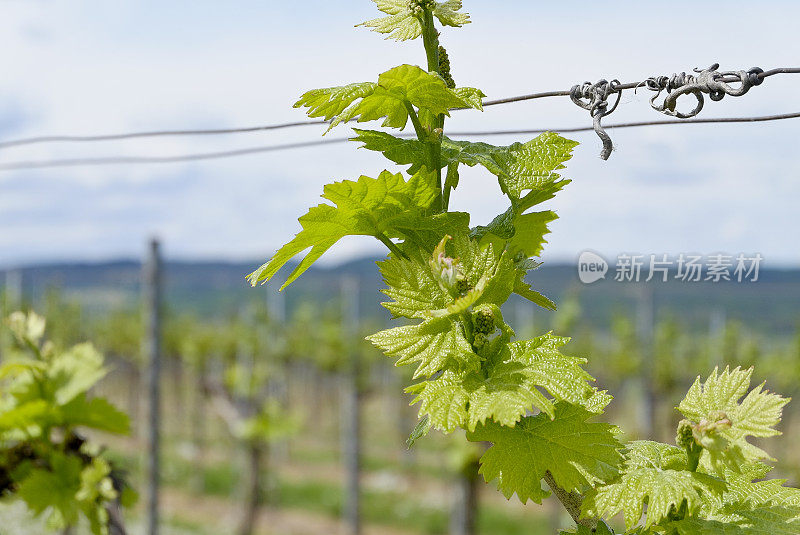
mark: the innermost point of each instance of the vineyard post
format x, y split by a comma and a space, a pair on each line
644, 326
464, 514
351, 416
278, 382
7, 303
716, 330
152, 279
14, 289
12, 296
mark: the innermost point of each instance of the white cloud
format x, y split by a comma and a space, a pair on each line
92, 66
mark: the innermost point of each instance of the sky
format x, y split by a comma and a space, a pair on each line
107, 66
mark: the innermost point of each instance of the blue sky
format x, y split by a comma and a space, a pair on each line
86, 67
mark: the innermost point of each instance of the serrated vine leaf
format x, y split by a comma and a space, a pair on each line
562, 375
94, 413
412, 287
404, 23
746, 502
765, 520
747, 489
435, 344
519, 167
330, 102
75, 371
575, 451
54, 490
420, 430
368, 207
484, 262
719, 399
656, 474
508, 388
401, 151
522, 234
417, 294
397, 89
471, 95
524, 289
25, 419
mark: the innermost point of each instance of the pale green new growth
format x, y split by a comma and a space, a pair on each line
744, 489
412, 287
747, 507
519, 167
391, 98
370, 207
436, 344
578, 453
656, 474
768, 520
417, 294
404, 23
723, 422
511, 386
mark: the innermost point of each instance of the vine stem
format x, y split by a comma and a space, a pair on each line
412, 114
392, 247
430, 39
571, 501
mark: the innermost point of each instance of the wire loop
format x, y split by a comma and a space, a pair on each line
594, 97
708, 81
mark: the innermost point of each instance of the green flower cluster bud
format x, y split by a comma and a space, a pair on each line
479, 341
444, 68
418, 6
685, 435
463, 286
483, 320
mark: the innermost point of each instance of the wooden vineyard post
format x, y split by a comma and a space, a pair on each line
644, 327
151, 289
351, 407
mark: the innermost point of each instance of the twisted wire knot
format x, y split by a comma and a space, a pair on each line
594, 97
708, 81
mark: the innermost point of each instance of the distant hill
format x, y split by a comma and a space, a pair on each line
215, 288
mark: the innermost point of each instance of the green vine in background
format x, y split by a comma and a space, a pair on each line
44, 406
536, 405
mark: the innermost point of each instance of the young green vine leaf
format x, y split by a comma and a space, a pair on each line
578, 453
404, 21
378, 207
394, 98
654, 474
722, 420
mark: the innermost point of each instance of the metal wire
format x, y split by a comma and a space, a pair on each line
114, 160
154, 133
223, 131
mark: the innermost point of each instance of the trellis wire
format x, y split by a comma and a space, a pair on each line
759, 74
129, 160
